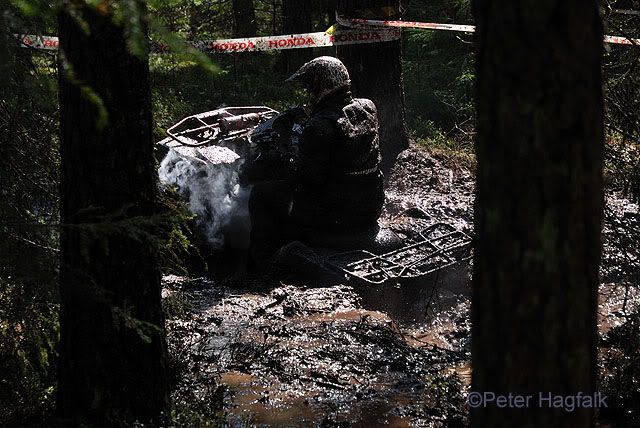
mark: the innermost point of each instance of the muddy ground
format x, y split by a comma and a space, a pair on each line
283, 354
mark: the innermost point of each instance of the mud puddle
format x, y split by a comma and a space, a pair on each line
315, 357
362, 356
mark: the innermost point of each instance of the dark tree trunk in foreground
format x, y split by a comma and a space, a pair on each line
376, 73
112, 346
297, 19
538, 208
5, 64
244, 18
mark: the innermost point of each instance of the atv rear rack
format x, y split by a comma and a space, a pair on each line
439, 246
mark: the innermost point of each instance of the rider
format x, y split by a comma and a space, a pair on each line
337, 186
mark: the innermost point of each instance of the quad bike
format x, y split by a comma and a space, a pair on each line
262, 143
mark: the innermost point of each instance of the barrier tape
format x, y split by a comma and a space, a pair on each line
622, 40
359, 35
294, 41
356, 22
253, 44
49, 43
360, 23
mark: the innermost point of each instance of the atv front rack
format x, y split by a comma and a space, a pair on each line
205, 128
438, 246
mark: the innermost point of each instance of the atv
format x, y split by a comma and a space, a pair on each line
259, 143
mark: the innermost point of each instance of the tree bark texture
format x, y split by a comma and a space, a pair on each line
297, 20
376, 73
112, 345
244, 18
538, 208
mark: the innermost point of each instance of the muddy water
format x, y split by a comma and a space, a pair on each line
362, 356
417, 301
344, 354
307, 357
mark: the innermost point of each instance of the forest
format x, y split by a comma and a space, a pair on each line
157, 171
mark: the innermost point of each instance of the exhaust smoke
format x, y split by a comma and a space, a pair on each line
213, 192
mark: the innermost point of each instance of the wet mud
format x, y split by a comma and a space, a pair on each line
305, 357
354, 355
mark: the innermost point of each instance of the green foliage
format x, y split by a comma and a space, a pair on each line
438, 73
175, 306
454, 154
31, 16
622, 103
28, 339
178, 254
193, 18
186, 417
182, 49
181, 88
449, 11
29, 164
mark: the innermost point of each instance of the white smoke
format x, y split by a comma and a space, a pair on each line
213, 192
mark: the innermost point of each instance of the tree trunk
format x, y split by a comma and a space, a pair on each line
6, 63
538, 207
297, 19
244, 18
376, 73
112, 344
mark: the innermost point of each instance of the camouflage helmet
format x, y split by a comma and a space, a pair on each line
322, 76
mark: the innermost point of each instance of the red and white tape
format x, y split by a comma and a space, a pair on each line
294, 41
254, 44
49, 43
361, 33
352, 22
621, 40
360, 23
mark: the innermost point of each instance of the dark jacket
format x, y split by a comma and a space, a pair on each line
338, 184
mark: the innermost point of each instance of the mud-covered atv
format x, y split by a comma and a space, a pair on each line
259, 143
